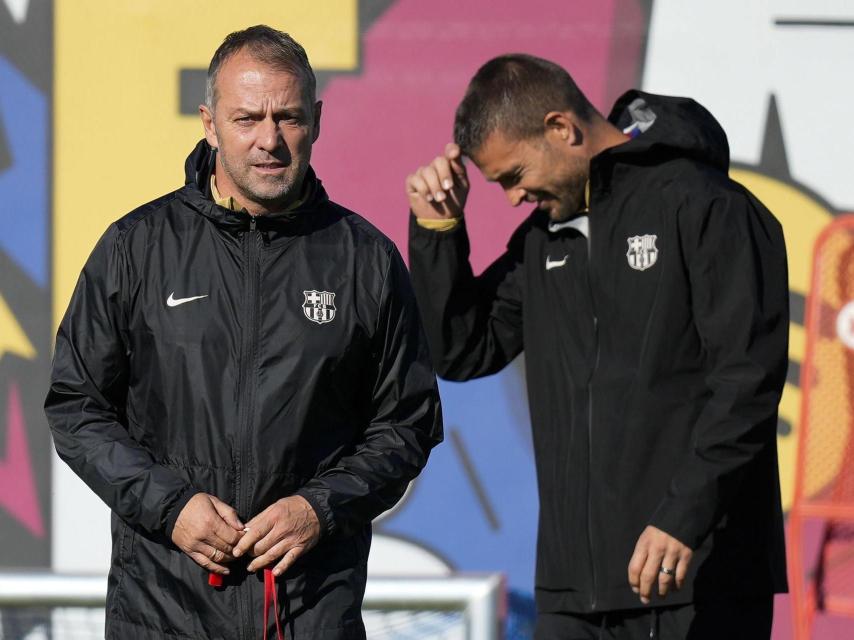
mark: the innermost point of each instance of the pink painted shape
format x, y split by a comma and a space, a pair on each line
397, 114
825, 627
17, 483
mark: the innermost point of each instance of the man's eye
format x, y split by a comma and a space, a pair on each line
508, 181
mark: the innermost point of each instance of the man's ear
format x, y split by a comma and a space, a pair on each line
208, 124
562, 126
318, 109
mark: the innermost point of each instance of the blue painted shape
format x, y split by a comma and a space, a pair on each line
443, 513
24, 185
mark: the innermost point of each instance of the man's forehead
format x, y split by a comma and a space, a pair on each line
244, 77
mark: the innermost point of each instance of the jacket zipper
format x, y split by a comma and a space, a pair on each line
593, 601
590, 464
247, 395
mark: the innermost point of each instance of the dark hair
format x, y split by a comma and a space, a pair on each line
512, 94
265, 44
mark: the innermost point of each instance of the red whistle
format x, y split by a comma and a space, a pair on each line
214, 580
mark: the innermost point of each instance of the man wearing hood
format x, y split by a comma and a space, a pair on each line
242, 377
649, 294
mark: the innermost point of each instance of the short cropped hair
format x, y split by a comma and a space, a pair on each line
265, 44
512, 94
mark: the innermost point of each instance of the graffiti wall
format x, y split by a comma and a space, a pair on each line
98, 108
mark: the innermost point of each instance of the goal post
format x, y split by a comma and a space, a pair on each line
468, 606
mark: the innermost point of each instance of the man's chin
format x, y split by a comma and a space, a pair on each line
557, 213
273, 198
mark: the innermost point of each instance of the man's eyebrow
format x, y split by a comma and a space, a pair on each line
295, 110
291, 110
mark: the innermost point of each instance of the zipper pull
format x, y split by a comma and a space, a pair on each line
252, 224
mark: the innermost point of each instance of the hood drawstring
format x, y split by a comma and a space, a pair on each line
271, 595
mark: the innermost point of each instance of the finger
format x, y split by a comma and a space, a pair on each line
670, 561
271, 555
682, 566
227, 513
270, 542
649, 573
215, 542
255, 531
415, 184
455, 156
206, 563
442, 166
217, 556
289, 558
223, 534
453, 151
429, 175
636, 565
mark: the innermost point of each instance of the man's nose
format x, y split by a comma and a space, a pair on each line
269, 136
516, 196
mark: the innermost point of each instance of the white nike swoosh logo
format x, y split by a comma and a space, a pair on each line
554, 264
172, 301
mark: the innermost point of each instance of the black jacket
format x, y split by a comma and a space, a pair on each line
655, 361
250, 393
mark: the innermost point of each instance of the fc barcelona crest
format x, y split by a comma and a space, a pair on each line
642, 253
319, 306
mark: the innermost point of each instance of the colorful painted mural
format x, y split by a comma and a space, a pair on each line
98, 109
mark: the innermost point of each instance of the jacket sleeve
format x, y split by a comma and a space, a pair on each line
405, 424
85, 405
473, 324
736, 260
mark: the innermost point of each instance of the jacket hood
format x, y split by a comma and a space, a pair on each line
197, 194
666, 127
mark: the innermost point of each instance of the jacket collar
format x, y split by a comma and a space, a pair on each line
307, 214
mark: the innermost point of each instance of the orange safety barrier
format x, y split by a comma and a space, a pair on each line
824, 475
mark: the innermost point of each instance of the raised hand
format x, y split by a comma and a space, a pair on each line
439, 189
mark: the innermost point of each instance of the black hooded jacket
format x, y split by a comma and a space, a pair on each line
252, 359
655, 359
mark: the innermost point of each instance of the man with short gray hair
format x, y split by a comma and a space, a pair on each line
242, 377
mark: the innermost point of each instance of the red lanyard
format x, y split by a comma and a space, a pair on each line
215, 580
270, 594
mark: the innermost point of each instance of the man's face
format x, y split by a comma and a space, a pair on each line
263, 126
545, 170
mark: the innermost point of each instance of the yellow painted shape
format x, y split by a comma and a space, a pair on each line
119, 138
13, 339
803, 219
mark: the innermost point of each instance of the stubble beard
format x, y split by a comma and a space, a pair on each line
572, 202
279, 191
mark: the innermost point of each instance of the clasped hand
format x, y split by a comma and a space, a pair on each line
212, 535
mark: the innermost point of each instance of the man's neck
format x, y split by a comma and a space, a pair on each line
603, 135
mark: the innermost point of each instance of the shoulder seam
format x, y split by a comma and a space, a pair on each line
141, 213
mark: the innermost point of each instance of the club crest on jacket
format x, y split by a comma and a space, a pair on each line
319, 306
642, 253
